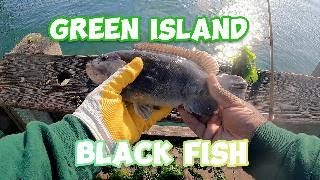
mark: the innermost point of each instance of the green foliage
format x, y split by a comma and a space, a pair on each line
218, 174
172, 171
116, 174
244, 65
195, 175
139, 173
119, 175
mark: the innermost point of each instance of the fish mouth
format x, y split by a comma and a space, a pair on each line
195, 115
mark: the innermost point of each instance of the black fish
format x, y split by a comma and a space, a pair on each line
171, 76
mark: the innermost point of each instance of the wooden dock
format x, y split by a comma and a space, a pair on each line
34, 79
38, 87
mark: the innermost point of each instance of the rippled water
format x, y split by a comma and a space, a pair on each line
296, 25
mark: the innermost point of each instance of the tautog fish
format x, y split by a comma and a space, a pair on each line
171, 76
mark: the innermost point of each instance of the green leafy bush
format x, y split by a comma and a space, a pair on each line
172, 172
244, 65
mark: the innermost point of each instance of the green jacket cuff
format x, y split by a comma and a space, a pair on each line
267, 149
70, 130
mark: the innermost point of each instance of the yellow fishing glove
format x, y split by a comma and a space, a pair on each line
108, 117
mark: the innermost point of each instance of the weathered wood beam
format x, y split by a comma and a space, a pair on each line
33, 43
178, 130
296, 96
311, 127
171, 131
34, 81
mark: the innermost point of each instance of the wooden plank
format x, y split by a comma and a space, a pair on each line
296, 96
176, 129
33, 43
34, 82
297, 100
171, 131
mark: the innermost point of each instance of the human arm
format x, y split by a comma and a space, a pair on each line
276, 153
284, 153
47, 151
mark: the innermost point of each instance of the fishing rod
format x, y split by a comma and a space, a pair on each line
271, 65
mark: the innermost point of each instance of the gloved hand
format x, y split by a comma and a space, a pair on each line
108, 117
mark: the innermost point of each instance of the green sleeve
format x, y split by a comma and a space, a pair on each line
275, 153
45, 152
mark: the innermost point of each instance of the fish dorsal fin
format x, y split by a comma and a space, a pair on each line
201, 58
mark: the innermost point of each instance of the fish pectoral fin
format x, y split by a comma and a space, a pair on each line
143, 110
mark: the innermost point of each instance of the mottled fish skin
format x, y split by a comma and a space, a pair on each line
165, 80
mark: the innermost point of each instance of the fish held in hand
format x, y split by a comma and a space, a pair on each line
171, 76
